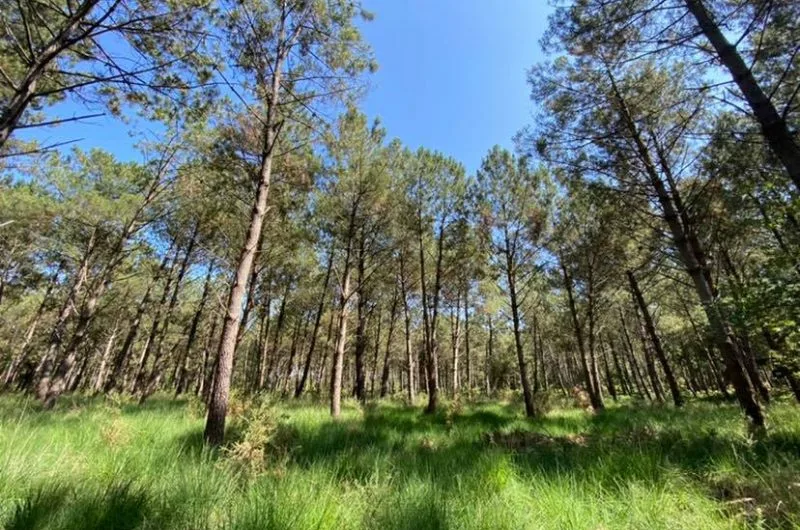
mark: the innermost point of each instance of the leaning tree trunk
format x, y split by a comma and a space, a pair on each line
19, 359
773, 125
218, 404
720, 327
99, 382
121, 358
512, 291
183, 371
654, 339
317, 320
45, 367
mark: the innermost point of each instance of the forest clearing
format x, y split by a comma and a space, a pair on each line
333, 264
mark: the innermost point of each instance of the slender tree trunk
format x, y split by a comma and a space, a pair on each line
121, 358
609, 379
152, 381
455, 340
677, 399
274, 360
362, 315
19, 359
773, 125
407, 323
649, 360
317, 320
489, 357
390, 334
432, 346
341, 343
376, 353
512, 292
292, 355
152, 338
183, 371
720, 327
597, 403
263, 361
99, 382
468, 357
628, 347
43, 370
206, 374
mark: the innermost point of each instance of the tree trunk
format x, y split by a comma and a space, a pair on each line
392, 317
377, 349
19, 359
467, 356
773, 125
362, 315
43, 370
120, 359
407, 322
455, 340
720, 327
276, 342
151, 383
183, 371
512, 292
317, 320
596, 401
677, 399
609, 379
152, 338
99, 382
341, 343
637, 373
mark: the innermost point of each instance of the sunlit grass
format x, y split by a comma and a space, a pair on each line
109, 464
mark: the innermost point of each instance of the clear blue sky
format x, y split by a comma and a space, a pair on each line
451, 77
452, 72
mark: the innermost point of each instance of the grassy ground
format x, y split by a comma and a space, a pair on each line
106, 464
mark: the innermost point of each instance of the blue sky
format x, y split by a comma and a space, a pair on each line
451, 77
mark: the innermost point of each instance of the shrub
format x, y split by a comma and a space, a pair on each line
258, 429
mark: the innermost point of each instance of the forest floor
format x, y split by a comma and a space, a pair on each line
103, 463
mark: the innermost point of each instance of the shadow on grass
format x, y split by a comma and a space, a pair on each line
121, 507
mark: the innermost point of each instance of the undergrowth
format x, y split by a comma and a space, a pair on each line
103, 463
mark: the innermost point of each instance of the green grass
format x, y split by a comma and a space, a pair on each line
105, 464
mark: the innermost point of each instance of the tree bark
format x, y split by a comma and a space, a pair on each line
773, 125
511, 278
677, 399
720, 327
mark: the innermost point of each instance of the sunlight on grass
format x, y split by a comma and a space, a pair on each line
105, 464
